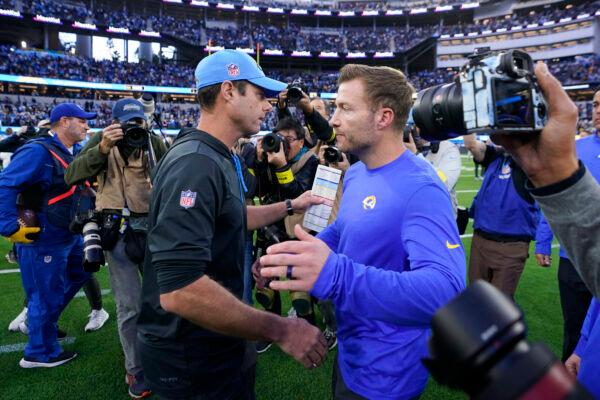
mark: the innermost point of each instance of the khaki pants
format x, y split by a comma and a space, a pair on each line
499, 263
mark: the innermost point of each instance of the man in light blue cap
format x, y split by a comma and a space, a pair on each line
193, 324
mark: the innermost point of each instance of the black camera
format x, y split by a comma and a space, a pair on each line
134, 134
295, 90
271, 142
493, 93
332, 155
478, 345
87, 224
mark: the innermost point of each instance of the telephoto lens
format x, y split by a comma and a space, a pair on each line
478, 345
332, 155
93, 256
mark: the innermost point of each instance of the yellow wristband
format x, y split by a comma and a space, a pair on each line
442, 175
284, 177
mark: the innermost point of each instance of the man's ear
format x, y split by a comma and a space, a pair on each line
384, 118
227, 90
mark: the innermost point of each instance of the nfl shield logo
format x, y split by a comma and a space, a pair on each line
233, 70
187, 199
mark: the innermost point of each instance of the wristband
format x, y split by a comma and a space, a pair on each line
288, 207
285, 176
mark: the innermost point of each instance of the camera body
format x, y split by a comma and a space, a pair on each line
134, 135
493, 93
271, 142
295, 90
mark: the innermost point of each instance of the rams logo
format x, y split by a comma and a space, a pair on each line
369, 202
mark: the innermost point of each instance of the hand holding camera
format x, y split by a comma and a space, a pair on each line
111, 135
332, 156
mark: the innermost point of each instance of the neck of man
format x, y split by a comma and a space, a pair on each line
221, 128
63, 139
386, 150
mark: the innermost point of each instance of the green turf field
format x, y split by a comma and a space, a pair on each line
98, 373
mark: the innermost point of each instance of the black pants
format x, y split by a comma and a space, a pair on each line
215, 369
575, 300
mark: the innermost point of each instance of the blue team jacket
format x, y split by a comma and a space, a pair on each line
32, 164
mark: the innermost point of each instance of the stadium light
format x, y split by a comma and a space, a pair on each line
200, 3
23, 44
173, 1
271, 52
346, 14
297, 53
323, 12
275, 10
383, 54
150, 34
582, 16
298, 11
469, 5
394, 12
113, 29
443, 8
48, 20
370, 13
329, 54
225, 6
10, 13
548, 23
566, 19
250, 8
82, 25
418, 10
358, 54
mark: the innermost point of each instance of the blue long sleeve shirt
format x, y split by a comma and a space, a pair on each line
588, 348
396, 259
588, 151
31, 164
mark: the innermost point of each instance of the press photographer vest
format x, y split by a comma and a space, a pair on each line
124, 184
59, 202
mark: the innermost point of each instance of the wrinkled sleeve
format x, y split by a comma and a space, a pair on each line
188, 200
543, 237
437, 269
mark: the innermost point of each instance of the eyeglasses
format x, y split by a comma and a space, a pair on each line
290, 139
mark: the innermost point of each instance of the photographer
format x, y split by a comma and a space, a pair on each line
285, 169
560, 185
316, 113
36, 208
121, 157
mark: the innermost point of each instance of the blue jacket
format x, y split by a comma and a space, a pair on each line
497, 208
588, 151
396, 259
32, 164
588, 349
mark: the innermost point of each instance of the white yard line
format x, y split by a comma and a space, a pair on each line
13, 348
9, 271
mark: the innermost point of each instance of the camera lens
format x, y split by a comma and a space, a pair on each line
134, 135
271, 142
438, 112
93, 256
332, 155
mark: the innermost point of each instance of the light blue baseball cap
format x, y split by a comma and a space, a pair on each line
234, 65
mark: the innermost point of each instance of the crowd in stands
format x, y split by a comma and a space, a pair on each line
50, 65
292, 38
510, 21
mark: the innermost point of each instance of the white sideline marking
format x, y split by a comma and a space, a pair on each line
81, 293
9, 271
12, 348
466, 235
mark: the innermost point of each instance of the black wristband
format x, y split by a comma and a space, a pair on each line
558, 186
288, 207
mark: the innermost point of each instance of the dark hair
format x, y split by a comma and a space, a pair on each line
290, 124
207, 96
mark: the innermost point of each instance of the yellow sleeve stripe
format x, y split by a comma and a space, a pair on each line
251, 170
284, 177
441, 175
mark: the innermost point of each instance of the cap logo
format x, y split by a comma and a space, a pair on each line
129, 107
233, 70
